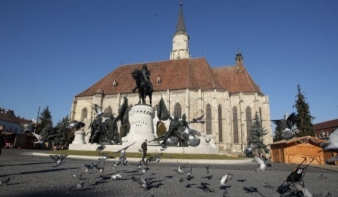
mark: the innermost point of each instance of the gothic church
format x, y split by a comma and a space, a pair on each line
227, 96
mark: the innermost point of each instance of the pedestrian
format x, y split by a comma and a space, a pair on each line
144, 149
1, 137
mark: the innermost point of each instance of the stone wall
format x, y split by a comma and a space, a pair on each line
193, 104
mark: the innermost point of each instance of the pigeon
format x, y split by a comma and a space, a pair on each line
58, 159
250, 148
79, 176
260, 162
28, 128
287, 125
144, 166
99, 168
333, 142
198, 120
156, 158
304, 190
163, 147
104, 157
267, 185
100, 148
116, 176
180, 169
189, 171
90, 167
79, 186
142, 182
98, 110
207, 140
41, 139
225, 179
206, 188
123, 150
207, 168
75, 124
5, 181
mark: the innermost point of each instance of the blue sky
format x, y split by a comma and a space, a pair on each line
51, 50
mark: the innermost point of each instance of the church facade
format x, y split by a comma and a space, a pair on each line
227, 96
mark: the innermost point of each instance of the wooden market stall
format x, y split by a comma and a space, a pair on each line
293, 150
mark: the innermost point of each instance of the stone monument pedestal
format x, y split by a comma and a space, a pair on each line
141, 125
79, 137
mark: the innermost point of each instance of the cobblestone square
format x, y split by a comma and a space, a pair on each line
36, 176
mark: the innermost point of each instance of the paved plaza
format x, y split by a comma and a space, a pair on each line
36, 176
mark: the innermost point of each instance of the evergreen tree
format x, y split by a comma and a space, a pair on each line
62, 135
256, 135
304, 118
278, 134
45, 118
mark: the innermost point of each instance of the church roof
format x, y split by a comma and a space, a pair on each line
236, 79
194, 73
180, 27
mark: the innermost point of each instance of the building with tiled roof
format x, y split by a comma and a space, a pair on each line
324, 129
227, 95
11, 122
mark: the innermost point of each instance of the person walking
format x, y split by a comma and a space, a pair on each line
144, 149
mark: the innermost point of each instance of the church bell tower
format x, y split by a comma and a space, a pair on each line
180, 39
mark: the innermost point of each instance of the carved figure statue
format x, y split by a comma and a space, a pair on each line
111, 135
96, 130
107, 132
143, 84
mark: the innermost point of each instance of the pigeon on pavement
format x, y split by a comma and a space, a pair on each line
225, 179
58, 159
260, 162
5, 181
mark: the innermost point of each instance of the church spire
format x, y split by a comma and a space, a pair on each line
180, 39
239, 58
180, 27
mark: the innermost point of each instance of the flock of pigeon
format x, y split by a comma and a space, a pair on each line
143, 166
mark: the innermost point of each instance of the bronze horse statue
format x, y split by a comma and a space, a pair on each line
143, 85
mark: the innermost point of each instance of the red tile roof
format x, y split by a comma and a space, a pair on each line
327, 126
236, 79
194, 73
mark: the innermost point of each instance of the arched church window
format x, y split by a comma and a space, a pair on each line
260, 114
108, 112
84, 115
220, 131
208, 119
178, 111
248, 121
235, 124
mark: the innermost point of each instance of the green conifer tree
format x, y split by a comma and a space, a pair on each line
45, 118
304, 118
278, 134
256, 135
